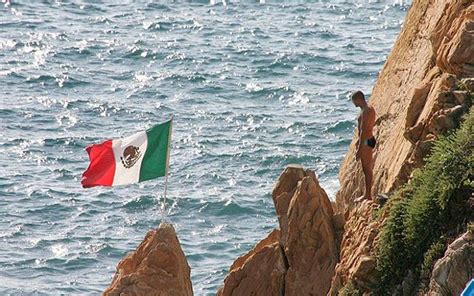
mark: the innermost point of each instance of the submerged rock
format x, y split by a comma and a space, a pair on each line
157, 267
299, 259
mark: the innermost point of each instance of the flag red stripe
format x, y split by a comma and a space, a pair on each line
101, 170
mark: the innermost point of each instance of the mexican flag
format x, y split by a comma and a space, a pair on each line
140, 157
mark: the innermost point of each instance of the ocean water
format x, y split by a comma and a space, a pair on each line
253, 87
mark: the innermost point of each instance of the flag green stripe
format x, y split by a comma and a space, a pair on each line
154, 160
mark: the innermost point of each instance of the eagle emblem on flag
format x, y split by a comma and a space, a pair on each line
131, 155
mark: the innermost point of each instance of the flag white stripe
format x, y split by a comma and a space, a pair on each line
127, 175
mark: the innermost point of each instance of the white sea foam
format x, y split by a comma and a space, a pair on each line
253, 87
66, 119
59, 250
298, 99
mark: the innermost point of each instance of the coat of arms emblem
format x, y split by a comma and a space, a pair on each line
131, 154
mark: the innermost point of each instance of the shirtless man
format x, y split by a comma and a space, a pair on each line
365, 142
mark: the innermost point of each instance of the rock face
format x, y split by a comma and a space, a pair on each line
455, 269
309, 245
357, 254
301, 257
426, 85
416, 95
452, 38
157, 267
259, 272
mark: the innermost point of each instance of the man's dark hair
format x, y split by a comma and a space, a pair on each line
358, 95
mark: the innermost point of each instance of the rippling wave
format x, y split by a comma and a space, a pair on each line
253, 87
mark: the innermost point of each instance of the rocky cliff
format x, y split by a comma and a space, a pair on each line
417, 94
157, 267
421, 93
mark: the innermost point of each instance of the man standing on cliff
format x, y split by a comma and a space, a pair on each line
365, 141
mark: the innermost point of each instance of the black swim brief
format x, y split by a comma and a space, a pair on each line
371, 142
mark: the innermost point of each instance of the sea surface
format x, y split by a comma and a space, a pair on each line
253, 87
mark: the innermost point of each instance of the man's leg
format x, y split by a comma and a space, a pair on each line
366, 159
367, 167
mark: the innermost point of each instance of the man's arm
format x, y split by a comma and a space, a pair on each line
360, 127
358, 131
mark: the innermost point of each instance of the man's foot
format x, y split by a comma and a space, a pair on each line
361, 199
381, 199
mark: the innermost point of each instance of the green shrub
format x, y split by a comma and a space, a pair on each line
429, 206
391, 256
435, 252
349, 290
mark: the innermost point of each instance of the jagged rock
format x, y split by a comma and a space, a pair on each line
418, 96
455, 53
423, 90
444, 113
310, 246
339, 221
452, 272
157, 267
300, 259
259, 272
414, 94
283, 192
357, 254
438, 93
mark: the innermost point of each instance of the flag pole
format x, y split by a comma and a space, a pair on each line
164, 213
